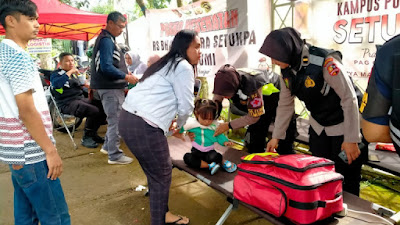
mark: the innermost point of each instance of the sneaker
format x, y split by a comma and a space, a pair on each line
214, 167
98, 139
88, 142
229, 166
123, 160
105, 152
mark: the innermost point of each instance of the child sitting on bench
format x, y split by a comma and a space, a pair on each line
202, 154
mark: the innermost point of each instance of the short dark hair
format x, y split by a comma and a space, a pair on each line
16, 8
63, 54
115, 16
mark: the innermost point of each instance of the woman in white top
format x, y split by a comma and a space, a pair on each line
164, 92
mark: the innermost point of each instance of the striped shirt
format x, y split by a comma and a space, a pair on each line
18, 74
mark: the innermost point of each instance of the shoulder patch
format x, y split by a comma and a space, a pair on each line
328, 60
255, 105
333, 70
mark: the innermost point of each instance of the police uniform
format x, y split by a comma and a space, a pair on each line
381, 101
330, 97
258, 110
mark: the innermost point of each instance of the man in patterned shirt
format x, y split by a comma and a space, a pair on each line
26, 140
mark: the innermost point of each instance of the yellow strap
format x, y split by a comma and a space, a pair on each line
251, 156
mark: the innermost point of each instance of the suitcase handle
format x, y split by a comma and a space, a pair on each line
334, 200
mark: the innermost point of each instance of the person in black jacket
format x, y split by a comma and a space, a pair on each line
67, 91
109, 76
254, 95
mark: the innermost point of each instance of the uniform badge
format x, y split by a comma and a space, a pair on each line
309, 82
305, 60
243, 102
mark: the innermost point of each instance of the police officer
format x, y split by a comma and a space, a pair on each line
254, 97
383, 93
315, 76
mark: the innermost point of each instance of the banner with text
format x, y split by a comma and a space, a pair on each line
354, 27
39, 45
225, 32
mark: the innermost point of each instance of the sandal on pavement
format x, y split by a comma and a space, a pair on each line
176, 222
229, 166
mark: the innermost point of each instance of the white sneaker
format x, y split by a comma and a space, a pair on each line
123, 160
105, 152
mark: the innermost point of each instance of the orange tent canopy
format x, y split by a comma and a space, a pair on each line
61, 21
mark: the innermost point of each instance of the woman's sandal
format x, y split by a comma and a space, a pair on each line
176, 222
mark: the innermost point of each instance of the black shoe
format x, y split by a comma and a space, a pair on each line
98, 139
88, 142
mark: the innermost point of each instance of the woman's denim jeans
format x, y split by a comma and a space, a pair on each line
37, 198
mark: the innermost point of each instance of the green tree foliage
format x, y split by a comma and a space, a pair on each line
77, 3
104, 8
151, 4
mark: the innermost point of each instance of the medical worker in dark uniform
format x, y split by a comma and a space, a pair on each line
253, 95
380, 107
315, 76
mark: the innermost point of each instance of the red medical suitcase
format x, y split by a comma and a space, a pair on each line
302, 188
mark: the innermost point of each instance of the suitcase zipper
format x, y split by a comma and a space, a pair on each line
285, 166
286, 183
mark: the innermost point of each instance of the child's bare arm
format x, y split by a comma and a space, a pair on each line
179, 135
228, 143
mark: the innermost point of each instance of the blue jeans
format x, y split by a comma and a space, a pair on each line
38, 199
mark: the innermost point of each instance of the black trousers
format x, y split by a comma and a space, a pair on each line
256, 133
194, 158
329, 147
91, 109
